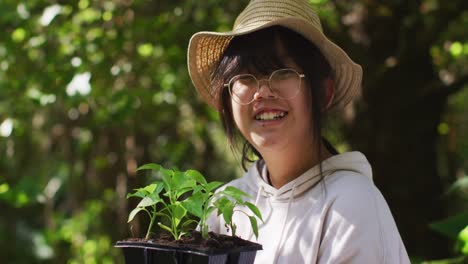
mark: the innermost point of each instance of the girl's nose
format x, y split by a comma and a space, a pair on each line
264, 90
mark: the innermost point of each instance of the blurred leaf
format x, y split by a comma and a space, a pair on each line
451, 226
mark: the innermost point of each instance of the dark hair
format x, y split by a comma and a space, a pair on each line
263, 52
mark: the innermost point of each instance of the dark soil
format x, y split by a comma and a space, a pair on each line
195, 241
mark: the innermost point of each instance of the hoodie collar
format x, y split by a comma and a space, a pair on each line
350, 161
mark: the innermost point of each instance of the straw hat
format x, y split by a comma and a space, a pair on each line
206, 48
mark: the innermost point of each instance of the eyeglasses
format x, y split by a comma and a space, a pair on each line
284, 83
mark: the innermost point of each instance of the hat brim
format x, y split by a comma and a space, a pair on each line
206, 48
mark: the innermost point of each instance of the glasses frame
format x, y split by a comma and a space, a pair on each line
229, 86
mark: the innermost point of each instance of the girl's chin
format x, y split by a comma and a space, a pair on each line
268, 144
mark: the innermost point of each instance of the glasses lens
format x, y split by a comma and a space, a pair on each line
243, 88
286, 83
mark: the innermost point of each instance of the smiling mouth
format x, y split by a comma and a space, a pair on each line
268, 116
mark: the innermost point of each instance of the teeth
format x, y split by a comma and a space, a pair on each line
270, 115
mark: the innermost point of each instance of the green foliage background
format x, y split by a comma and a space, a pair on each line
91, 89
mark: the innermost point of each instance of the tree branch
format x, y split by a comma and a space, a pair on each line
458, 85
440, 89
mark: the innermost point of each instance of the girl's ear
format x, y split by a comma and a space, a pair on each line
329, 84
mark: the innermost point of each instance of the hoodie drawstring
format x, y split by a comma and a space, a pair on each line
259, 193
281, 242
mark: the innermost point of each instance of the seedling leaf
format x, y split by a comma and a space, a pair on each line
150, 166
145, 191
254, 210
148, 201
253, 223
166, 176
180, 192
213, 185
178, 212
227, 209
197, 176
133, 213
194, 204
235, 193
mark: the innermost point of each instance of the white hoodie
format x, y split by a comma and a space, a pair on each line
343, 219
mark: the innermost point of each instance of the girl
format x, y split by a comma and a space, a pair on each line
272, 79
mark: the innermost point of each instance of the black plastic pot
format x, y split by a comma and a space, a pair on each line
149, 253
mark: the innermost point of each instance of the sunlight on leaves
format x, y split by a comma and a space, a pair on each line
463, 238
456, 49
41, 249
83, 4
79, 84
6, 127
4, 187
49, 14
37, 41
443, 128
18, 35
21, 199
107, 16
22, 11
76, 61
145, 50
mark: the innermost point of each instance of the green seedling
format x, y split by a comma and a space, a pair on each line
232, 198
186, 199
149, 200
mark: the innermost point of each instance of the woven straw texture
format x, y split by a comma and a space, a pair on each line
206, 48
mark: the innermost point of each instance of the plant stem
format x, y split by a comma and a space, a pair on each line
203, 225
202, 228
153, 217
173, 227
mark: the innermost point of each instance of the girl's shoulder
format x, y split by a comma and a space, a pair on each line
356, 213
354, 196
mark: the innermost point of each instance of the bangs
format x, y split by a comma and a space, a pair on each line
257, 53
